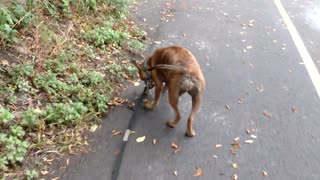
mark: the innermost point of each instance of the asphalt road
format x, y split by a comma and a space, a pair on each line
252, 65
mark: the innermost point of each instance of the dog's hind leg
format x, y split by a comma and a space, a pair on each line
173, 100
196, 101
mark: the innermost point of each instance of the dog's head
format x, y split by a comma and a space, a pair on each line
141, 71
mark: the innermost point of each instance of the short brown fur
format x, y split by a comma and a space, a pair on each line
187, 78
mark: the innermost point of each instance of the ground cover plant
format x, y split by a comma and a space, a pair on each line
61, 64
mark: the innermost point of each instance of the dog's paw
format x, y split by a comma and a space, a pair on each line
191, 133
148, 105
171, 124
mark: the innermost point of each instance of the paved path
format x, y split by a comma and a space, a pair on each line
251, 64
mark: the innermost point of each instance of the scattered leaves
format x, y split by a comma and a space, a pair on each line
140, 139
198, 172
117, 101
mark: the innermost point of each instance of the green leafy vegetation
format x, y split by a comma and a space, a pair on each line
74, 57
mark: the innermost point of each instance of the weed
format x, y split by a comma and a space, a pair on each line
31, 174
17, 131
5, 116
30, 118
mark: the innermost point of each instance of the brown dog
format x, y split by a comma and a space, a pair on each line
177, 69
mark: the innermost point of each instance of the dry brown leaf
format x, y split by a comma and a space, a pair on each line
234, 177
93, 128
132, 132
249, 141
294, 109
177, 150
218, 146
175, 173
236, 144
268, 114
115, 132
234, 152
44, 172
236, 139
154, 141
235, 165
140, 139
173, 145
198, 172
264, 173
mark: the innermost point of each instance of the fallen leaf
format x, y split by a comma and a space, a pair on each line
174, 145
177, 150
260, 88
236, 139
249, 141
236, 144
136, 83
44, 172
4, 62
56, 178
93, 128
175, 173
218, 146
235, 165
264, 173
294, 109
198, 172
154, 141
268, 114
141, 139
234, 152
248, 131
115, 132
235, 177
132, 132
253, 136
250, 25
227, 106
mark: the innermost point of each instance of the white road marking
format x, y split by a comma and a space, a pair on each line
308, 62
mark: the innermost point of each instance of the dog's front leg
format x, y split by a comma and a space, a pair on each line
157, 93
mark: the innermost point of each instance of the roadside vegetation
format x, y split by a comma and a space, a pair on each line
65, 62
